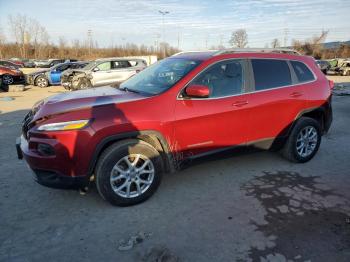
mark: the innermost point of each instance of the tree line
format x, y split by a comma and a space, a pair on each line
33, 41
312, 47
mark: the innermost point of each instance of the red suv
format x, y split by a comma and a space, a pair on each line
182, 107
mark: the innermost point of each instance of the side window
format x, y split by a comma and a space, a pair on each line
270, 73
120, 64
302, 71
104, 66
62, 68
223, 79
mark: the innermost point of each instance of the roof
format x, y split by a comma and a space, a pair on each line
118, 58
202, 55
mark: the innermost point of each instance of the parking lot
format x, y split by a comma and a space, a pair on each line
245, 205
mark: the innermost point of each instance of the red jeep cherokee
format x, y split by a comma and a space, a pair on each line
182, 107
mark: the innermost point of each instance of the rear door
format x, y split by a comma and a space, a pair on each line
276, 101
121, 70
218, 121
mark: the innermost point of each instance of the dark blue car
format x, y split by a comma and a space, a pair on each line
52, 76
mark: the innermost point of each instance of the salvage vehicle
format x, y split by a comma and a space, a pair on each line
323, 65
28, 63
11, 76
102, 72
39, 62
343, 69
183, 107
9, 64
17, 61
52, 76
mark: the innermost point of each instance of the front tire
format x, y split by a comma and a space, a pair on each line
41, 81
304, 141
128, 172
7, 79
84, 84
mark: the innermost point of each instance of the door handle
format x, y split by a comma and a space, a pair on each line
240, 103
296, 94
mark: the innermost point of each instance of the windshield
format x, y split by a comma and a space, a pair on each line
160, 76
90, 65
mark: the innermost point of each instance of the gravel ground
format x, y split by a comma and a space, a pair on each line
243, 205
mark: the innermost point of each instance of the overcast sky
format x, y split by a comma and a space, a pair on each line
194, 24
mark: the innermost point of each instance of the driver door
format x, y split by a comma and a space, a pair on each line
216, 122
102, 74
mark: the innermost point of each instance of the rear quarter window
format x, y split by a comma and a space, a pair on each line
302, 72
271, 73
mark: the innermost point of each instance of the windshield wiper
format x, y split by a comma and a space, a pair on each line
129, 90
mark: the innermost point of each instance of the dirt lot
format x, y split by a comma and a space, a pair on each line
239, 206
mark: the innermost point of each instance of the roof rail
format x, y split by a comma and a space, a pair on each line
257, 50
194, 51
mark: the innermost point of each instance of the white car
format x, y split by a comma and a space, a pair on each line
102, 72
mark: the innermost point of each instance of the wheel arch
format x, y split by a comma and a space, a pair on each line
42, 74
317, 113
154, 138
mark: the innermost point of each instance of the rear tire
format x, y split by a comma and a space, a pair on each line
303, 141
120, 178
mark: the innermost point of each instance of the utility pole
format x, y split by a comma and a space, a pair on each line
286, 32
89, 34
163, 13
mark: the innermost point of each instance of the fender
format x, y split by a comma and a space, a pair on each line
325, 111
166, 154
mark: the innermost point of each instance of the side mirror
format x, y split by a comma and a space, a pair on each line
201, 91
95, 69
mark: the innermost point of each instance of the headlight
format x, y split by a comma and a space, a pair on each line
70, 125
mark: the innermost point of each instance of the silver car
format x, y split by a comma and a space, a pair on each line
102, 72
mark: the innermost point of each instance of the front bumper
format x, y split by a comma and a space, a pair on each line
20, 79
55, 171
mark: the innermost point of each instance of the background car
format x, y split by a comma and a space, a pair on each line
52, 62
11, 76
28, 63
9, 64
16, 61
52, 76
101, 72
323, 65
344, 68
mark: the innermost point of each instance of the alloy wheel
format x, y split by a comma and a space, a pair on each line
307, 141
132, 175
7, 79
42, 82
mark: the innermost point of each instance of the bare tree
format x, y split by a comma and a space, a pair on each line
239, 38
28, 33
313, 46
2, 43
275, 43
18, 25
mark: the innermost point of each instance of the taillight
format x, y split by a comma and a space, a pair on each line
331, 84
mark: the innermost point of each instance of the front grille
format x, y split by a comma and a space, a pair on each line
26, 124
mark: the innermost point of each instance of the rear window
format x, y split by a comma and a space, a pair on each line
270, 73
302, 71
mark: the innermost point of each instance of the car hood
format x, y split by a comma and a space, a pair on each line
39, 72
82, 99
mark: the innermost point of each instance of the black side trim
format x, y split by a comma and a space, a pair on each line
55, 180
169, 165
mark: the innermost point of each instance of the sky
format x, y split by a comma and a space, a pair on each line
189, 25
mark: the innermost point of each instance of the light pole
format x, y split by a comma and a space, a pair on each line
163, 13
